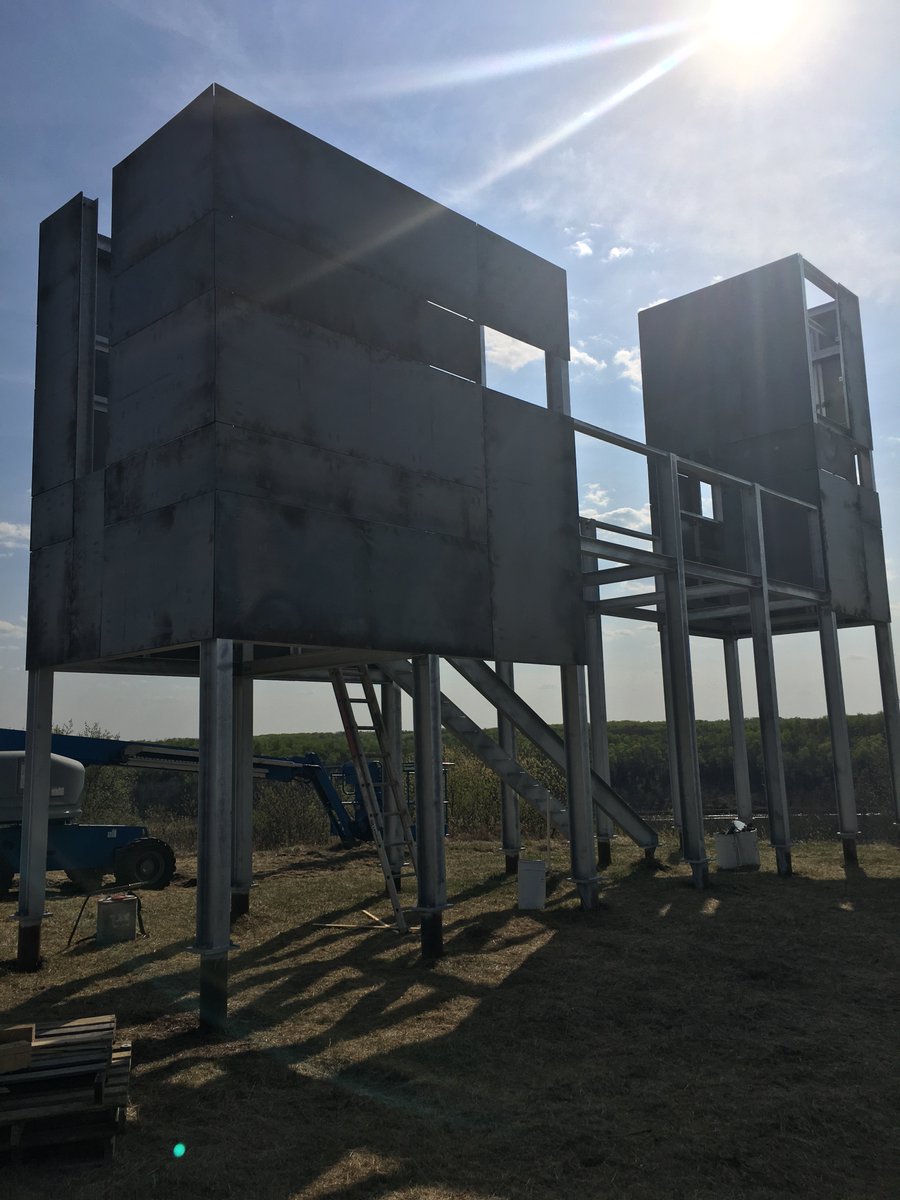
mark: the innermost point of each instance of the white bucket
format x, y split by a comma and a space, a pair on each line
532, 883
735, 850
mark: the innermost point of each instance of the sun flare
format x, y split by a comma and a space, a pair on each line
751, 25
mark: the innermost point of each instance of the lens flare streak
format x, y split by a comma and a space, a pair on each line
497, 66
529, 153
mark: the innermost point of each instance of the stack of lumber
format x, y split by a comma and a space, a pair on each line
71, 1093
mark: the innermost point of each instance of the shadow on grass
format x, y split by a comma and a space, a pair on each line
727, 1043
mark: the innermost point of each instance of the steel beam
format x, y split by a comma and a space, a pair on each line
393, 825
527, 721
741, 767
840, 735
578, 781
242, 816
887, 673
488, 751
510, 823
766, 689
432, 872
35, 815
677, 636
214, 814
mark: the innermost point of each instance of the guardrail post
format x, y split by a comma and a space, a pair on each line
840, 737
742, 794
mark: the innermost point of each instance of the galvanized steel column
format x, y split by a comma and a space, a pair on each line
599, 728
677, 632
35, 816
214, 811
578, 785
393, 826
741, 767
242, 816
432, 872
887, 673
671, 731
510, 822
840, 736
766, 690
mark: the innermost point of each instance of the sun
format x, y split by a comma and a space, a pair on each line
752, 25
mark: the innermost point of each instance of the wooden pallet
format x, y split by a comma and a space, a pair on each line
74, 1095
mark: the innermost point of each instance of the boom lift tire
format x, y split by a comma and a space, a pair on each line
148, 861
86, 879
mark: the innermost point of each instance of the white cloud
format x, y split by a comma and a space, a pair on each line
617, 252
508, 353
629, 364
12, 629
13, 536
582, 247
654, 303
582, 359
595, 506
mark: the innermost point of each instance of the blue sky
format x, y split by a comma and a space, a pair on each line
616, 139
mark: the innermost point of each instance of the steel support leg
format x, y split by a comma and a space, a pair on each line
742, 794
840, 735
242, 817
887, 673
432, 873
393, 826
678, 649
510, 821
671, 729
596, 678
578, 783
214, 814
766, 689
35, 817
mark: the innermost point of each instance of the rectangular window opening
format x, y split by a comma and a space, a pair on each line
514, 367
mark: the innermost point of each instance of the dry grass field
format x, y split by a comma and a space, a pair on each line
741, 1042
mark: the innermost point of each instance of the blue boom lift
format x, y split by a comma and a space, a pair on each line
87, 853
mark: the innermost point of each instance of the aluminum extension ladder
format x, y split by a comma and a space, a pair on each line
393, 802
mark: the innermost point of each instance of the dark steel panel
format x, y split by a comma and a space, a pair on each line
164, 281
48, 606
339, 581
162, 475
292, 379
289, 472
314, 589
162, 380
85, 601
845, 554
522, 295
854, 366
51, 516
285, 180
284, 277
538, 612
784, 460
165, 185
158, 578
728, 363
836, 453
65, 343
